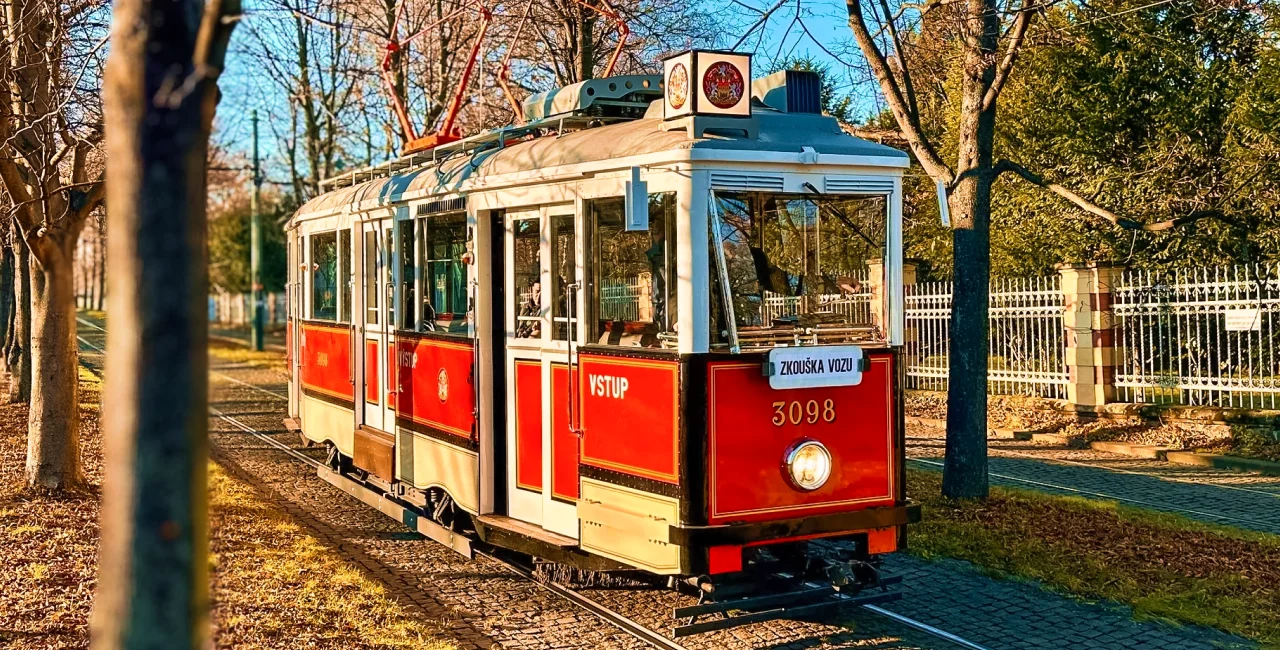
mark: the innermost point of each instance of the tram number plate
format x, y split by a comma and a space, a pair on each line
815, 367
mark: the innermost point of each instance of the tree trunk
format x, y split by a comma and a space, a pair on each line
100, 247
964, 473
6, 295
19, 353
586, 46
53, 428
153, 588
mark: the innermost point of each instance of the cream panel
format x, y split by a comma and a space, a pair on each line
629, 526
425, 462
322, 421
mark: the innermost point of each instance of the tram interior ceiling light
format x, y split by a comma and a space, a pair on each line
807, 465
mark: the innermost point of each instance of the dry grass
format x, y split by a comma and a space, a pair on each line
1161, 565
48, 542
226, 352
274, 586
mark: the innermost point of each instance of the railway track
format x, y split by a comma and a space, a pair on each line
622, 622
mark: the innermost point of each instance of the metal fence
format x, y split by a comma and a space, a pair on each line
1199, 336
855, 306
1027, 338
237, 308
620, 299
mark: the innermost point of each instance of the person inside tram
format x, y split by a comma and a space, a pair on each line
531, 307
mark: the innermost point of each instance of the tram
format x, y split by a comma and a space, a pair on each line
654, 328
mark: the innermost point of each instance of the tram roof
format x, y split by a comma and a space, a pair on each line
779, 132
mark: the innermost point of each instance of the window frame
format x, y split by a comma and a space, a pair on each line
591, 253
311, 277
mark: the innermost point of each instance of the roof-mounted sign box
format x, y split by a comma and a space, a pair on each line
702, 82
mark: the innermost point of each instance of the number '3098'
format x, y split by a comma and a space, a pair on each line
797, 411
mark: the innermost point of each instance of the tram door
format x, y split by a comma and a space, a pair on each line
541, 275
378, 321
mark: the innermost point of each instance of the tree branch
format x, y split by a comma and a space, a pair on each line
1016, 36
1099, 211
908, 120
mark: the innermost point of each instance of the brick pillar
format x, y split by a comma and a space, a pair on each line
875, 278
1090, 331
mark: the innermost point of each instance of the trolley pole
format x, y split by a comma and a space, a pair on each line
255, 245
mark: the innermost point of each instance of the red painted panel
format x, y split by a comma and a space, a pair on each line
326, 360
630, 415
529, 425
371, 372
564, 443
434, 381
746, 447
393, 378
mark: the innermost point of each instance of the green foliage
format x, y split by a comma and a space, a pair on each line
229, 250
1153, 112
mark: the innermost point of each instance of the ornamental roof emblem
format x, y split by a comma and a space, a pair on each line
678, 86
723, 85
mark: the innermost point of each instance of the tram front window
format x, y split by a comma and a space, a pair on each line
797, 267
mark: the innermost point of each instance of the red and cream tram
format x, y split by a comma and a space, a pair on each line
656, 327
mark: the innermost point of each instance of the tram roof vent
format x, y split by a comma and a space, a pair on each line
613, 98
790, 91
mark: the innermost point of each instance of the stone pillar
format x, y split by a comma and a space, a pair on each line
1090, 331
875, 280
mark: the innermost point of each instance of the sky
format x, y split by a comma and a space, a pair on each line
795, 28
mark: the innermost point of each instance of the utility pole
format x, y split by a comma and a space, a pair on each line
255, 244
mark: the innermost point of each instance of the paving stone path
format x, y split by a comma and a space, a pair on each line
1254, 505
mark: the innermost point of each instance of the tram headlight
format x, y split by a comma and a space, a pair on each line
808, 465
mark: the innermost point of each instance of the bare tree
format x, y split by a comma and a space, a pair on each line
48, 164
161, 93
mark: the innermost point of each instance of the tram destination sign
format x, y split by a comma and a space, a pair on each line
815, 367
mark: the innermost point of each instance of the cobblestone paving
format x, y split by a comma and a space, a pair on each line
485, 605
1215, 496
1021, 616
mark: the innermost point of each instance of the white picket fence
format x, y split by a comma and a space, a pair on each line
1027, 339
1203, 336
237, 308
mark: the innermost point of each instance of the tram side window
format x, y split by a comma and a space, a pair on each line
444, 275
527, 269
407, 283
633, 275
324, 276
345, 275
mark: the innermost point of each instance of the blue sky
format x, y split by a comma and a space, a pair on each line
813, 28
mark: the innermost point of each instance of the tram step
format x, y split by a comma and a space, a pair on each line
292, 425
527, 529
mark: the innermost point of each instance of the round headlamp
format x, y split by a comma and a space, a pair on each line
808, 465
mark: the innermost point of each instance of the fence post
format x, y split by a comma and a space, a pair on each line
875, 280
1090, 331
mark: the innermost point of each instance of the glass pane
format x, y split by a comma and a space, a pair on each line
407, 296
344, 273
324, 276
444, 292
564, 271
633, 282
797, 267
389, 280
527, 268
371, 277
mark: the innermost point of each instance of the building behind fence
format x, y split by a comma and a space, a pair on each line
1095, 333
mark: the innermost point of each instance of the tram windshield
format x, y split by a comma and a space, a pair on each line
797, 267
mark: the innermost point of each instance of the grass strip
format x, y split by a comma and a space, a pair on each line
1161, 565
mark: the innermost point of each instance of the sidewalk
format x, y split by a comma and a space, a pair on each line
1205, 494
